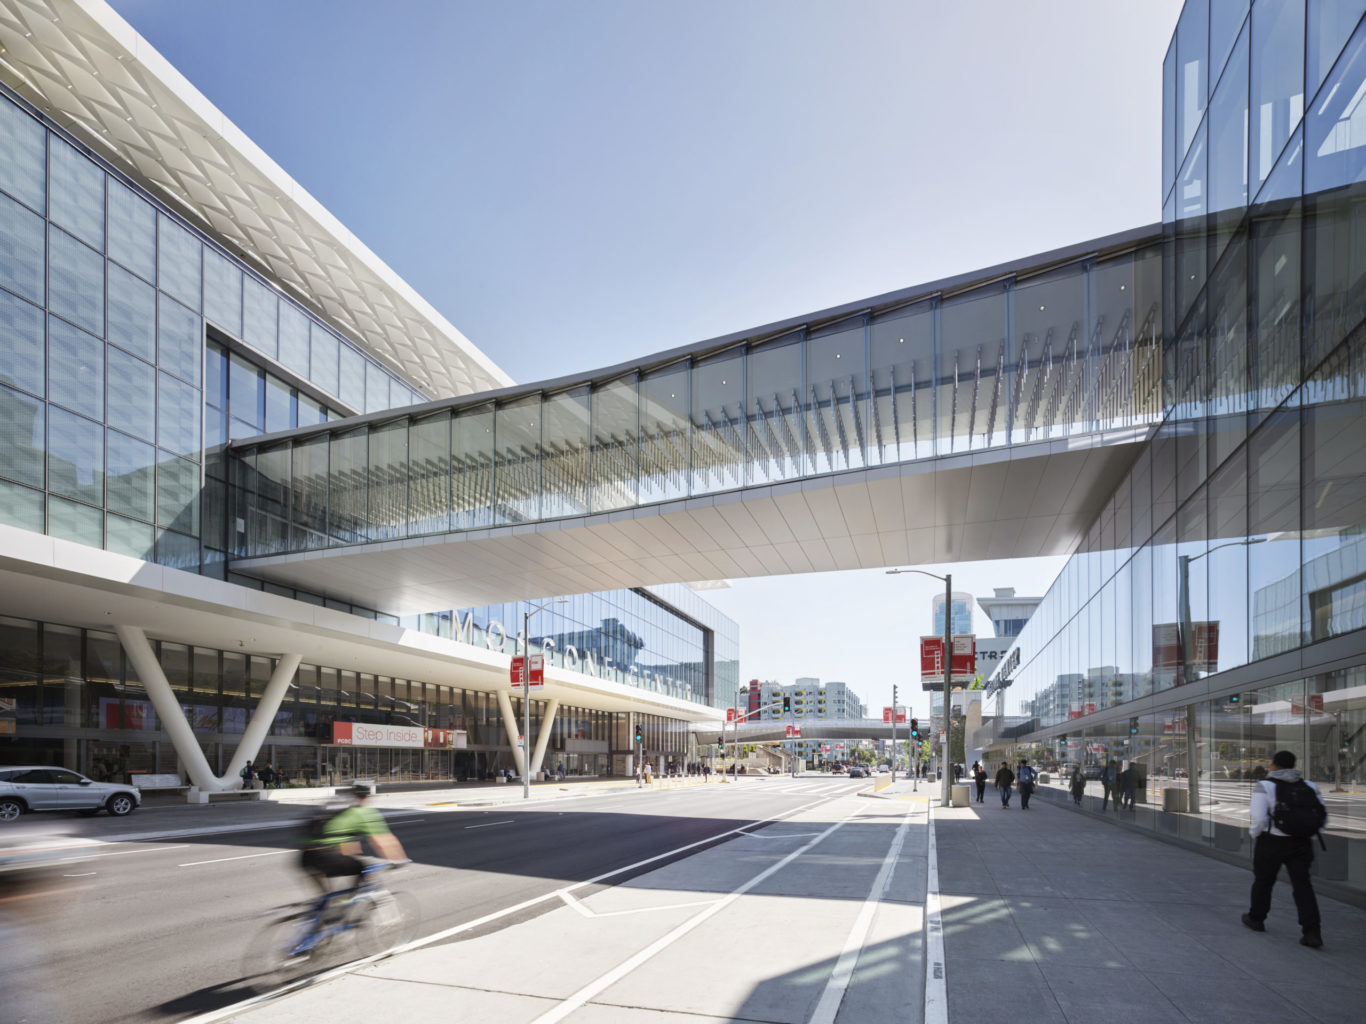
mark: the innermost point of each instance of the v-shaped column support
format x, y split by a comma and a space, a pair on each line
173, 719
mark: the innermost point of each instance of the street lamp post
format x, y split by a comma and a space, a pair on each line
946, 788
526, 691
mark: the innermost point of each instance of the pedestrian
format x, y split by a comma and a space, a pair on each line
248, 774
1127, 783
1025, 775
979, 776
649, 775
266, 775
1286, 813
1004, 779
1109, 780
1078, 785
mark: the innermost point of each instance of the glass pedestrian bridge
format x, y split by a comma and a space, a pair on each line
1062, 346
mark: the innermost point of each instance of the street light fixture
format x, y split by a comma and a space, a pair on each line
527, 612
946, 789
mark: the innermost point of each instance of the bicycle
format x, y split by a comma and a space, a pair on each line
332, 929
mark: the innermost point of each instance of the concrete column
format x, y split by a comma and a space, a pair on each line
510, 725
543, 737
173, 720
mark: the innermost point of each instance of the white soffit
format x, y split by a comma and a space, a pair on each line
87, 69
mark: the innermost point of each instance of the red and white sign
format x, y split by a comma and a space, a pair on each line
963, 662
362, 734
730, 714
839, 746
900, 716
518, 670
794, 732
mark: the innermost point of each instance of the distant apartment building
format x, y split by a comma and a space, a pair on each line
806, 700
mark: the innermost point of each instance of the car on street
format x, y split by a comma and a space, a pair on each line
1092, 771
857, 771
26, 788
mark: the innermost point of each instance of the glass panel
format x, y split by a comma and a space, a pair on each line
310, 412
178, 270
429, 475
294, 339
132, 313
351, 386
323, 368
76, 281
1275, 276
1112, 327
1052, 337
1193, 588
972, 366
1330, 23
269, 513
1335, 269
1192, 71
259, 313
75, 459
132, 230
1228, 147
472, 469
73, 521
564, 458
1169, 158
178, 495
776, 400
177, 551
279, 398
376, 389
308, 509
129, 474
1335, 127
664, 443
75, 368
178, 412
223, 292
77, 194
836, 399
616, 428
1273, 498
246, 392
1225, 19
346, 487
1191, 195
179, 340
24, 143
22, 250
1334, 487
22, 358
718, 444
1277, 100
1165, 637
517, 470
388, 480
129, 537
21, 437
1229, 397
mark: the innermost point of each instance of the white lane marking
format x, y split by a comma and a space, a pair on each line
227, 1012
486, 824
936, 985
583, 910
606, 981
828, 1007
122, 853
83, 874
245, 856
765, 835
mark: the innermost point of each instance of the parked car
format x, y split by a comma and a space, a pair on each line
25, 788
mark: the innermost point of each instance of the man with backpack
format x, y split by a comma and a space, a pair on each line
334, 838
1287, 814
1024, 776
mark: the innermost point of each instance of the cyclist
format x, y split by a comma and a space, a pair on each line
331, 851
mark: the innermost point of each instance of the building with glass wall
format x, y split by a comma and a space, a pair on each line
1213, 613
166, 290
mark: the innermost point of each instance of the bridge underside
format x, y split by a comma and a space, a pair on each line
819, 729
1027, 500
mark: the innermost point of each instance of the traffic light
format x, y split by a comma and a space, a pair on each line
1133, 727
915, 729
1234, 698
640, 733
787, 703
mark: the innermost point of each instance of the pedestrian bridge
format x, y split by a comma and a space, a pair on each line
983, 416
771, 730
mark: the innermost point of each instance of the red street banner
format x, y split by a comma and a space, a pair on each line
794, 732
730, 714
538, 670
963, 662
900, 716
518, 671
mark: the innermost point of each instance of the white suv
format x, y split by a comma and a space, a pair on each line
38, 787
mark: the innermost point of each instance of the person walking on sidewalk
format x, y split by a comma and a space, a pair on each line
1025, 775
979, 776
1287, 812
1078, 785
1109, 780
1005, 778
1128, 782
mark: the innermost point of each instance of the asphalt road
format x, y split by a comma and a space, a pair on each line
156, 931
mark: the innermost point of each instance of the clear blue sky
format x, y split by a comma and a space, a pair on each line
575, 184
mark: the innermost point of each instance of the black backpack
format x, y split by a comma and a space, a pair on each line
314, 827
1298, 811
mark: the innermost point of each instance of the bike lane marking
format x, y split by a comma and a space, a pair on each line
936, 985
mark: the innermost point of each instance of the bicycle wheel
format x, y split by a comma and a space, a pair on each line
387, 919
273, 958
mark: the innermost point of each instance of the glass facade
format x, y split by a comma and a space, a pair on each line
1214, 612
1054, 355
106, 405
